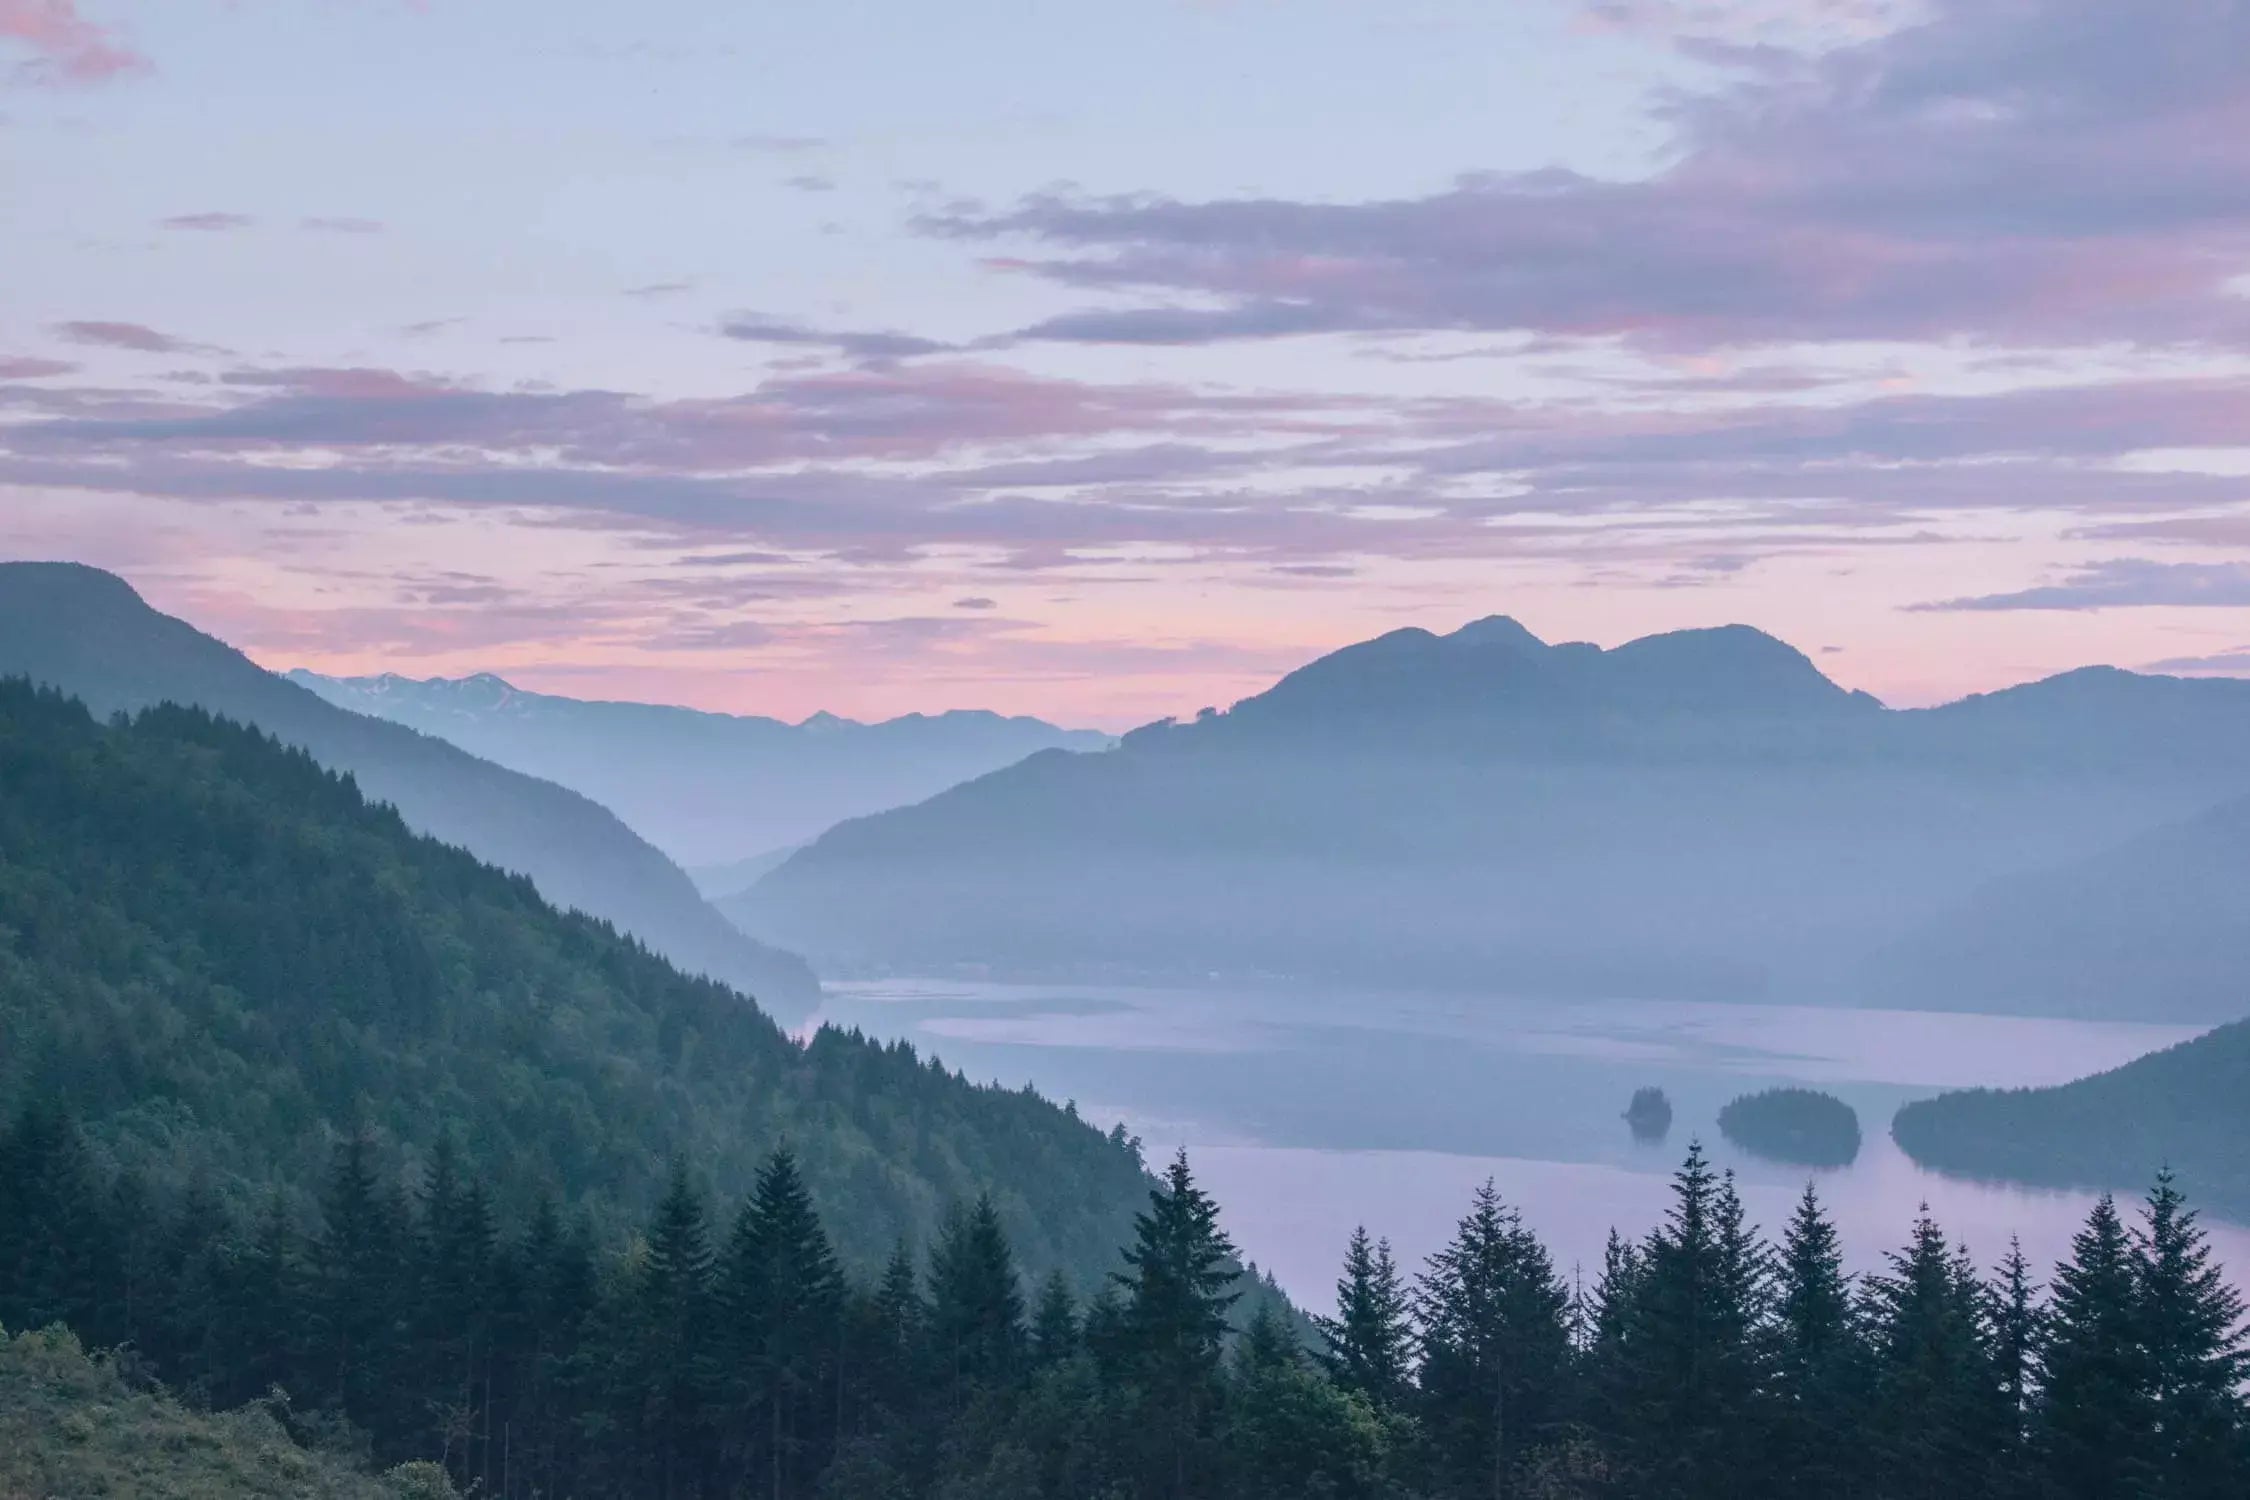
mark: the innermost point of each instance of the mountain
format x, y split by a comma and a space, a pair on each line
218, 958
1701, 812
89, 634
705, 788
2187, 1107
2157, 926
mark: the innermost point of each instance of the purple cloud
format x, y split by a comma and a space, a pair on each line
31, 367
2124, 583
2043, 171
755, 328
209, 222
138, 336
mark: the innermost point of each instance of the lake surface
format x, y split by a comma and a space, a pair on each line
1306, 1112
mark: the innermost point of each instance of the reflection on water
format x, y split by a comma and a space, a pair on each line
1309, 1112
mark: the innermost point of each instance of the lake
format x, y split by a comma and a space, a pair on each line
1306, 1112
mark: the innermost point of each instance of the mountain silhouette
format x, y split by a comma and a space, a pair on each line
706, 788
88, 633
1696, 813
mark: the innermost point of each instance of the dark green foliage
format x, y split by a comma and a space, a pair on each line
2096, 1411
1179, 1271
1940, 1418
1371, 1338
976, 1300
221, 961
1693, 1359
1820, 1360
2192, 1336
1795, 1125
518, 1362
1495, 1346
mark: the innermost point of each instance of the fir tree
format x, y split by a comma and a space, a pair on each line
2095, 1419
1179, 1271
1693, 1357
1370, 1340
669, 1372
2013, 1316
976, 1300
1936, 1394
1820, 1358
2192, 1340
1054, 1323
1495, 1344
354, 1287
781, 1306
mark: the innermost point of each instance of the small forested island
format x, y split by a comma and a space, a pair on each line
1795, 1125
1650, 1114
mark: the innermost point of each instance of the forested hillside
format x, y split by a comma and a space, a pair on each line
727, 1354
220, 959
2188, 1105
88, 633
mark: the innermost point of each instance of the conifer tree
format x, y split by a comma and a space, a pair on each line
669, 1372
263, 1330
781, 1306
1495, 1345
2013, 1317
1054, 1323
1179, 1271
2095, 1418
976, 1300
354, 1286
1694, 1349
2192, 1340
1370, 1340
1820, 1358
1936, 1392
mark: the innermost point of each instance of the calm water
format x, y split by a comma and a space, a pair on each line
1307, 1113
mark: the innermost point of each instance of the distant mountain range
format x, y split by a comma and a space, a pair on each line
2161, 921
2187, 1107
89, 634
709, 789
1694, 813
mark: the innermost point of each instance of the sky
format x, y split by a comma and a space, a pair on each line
1104, 362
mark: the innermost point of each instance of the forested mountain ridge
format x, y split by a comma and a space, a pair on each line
2166, 913
88, 633
707, 788
2188, 1106
1696, 813
219, 958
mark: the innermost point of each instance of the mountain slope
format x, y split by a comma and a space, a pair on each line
88, 633
706, 788
2157, 927
2187, 1107
218, 957
1694, 813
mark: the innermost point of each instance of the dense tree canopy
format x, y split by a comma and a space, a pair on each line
520, 1360
221, 962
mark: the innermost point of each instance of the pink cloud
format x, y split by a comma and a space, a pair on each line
65, 46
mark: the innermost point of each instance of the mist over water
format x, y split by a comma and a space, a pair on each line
1309, 1111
